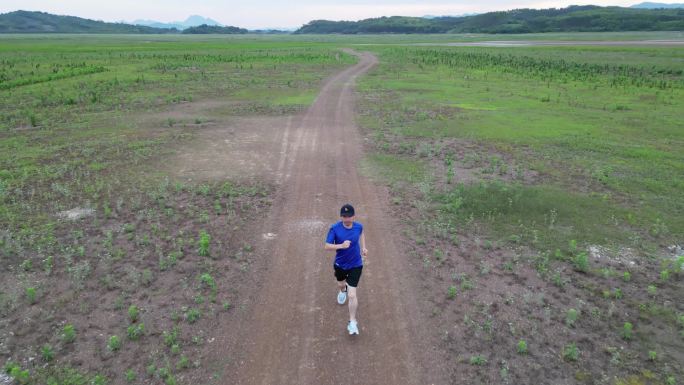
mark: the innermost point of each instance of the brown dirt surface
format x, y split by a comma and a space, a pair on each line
293, 331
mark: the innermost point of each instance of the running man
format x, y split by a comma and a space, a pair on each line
347, 238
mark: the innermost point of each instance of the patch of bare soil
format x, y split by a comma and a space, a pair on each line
246, 147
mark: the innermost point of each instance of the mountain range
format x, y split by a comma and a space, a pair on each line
648, 5
191, 21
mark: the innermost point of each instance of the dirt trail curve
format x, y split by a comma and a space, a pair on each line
295, 332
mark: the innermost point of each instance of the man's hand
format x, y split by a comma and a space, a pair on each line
345, 244
364, 252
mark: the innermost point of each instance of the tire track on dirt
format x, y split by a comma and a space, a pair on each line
295, 333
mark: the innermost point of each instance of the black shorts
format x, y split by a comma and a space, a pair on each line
352, 275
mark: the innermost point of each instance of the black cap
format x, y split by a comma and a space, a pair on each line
347, 210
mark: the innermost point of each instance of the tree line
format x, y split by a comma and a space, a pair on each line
587, 18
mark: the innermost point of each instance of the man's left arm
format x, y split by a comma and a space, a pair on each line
364, 251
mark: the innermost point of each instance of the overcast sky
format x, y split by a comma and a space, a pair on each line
272, 13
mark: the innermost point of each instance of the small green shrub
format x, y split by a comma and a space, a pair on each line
652, 355
134, 332
99, 380
522, 347
31, 295
183, 363
478, 360
626, 276
627, 331
203, 244
207, 281
151, 370
130, 375
571, 352
114, 343
20, 376
27, 265
133, 313
192, 315
171, 338
47, 353
581, 262
617, 293
451, 292
665, 275
68, 333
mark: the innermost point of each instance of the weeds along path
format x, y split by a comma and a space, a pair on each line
295, 332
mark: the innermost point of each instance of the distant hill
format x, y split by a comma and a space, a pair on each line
214, 29
41, 22
656, 6
191, 21
588, 18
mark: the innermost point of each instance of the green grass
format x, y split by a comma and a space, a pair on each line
392, 169
71, 121
601, 126
85, 121
543, 215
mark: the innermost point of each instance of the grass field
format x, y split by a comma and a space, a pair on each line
539, 187
554, 168
85, 128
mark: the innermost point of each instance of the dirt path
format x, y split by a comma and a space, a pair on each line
294, 331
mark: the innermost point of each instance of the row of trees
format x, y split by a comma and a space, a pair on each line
588, 18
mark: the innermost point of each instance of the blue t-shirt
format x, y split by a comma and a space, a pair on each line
351, 257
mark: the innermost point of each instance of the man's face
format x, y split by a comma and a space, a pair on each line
347, 221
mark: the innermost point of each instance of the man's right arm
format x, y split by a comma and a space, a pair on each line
343, 245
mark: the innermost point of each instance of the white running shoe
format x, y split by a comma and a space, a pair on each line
342, 297
353, 328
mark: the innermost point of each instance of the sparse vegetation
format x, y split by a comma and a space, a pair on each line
133, 313
451, 293
571, 352
627, 330
68, 333
114, 343
47, 353
510, 147
526, 173
522, 347
192, 315
478, 360
203, 244
571, 317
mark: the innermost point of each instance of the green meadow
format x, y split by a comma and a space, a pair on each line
601, 127
506, 164
539, 190
72, 104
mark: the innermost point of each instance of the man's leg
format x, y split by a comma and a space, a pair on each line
342, 284
353, 302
